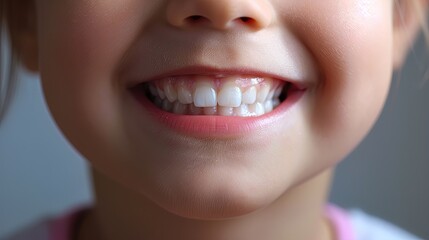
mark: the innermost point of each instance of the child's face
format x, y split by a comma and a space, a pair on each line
90, 51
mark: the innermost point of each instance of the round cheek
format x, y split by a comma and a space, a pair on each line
81, 42
351, 42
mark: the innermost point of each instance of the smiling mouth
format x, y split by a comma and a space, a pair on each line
223, 95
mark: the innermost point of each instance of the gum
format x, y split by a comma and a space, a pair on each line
190, 82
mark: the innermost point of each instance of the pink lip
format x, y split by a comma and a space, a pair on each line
218, 126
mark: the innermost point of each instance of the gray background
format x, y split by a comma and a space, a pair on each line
387, 175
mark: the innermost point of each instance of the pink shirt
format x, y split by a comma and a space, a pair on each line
347, 225
341, 223
62, 228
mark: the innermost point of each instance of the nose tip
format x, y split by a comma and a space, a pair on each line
220, 14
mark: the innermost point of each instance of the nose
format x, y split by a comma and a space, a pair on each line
220, 14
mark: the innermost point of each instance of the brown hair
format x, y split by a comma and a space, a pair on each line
422, 18
8, 80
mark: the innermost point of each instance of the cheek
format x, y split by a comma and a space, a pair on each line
352, 44
80, 44
86, 39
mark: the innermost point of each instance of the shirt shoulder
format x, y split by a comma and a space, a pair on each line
367, 227
60, 227
35, 231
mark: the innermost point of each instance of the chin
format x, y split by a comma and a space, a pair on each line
217, 195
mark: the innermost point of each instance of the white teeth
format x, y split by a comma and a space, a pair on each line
278, 92
257, 109
161, 93
170, 92
193, 110
242, 111
167, 105
153, 90
263, 93
179, 108
276, 102
229, 95
270, 95
249, 96
226, 111
268, 105
184, 95
205, 94
210, 110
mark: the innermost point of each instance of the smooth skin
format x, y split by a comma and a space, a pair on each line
152, 183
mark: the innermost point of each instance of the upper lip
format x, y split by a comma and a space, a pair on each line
204, 70
154, 57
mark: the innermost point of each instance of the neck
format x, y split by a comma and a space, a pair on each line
119, 213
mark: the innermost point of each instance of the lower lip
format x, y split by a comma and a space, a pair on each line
219, 126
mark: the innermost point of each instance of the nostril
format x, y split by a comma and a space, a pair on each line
196, 19
245, 19
248, 21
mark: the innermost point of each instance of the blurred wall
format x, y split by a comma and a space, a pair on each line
40, 174
387, 175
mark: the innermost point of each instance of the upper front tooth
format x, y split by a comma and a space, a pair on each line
205, 94
229, 95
